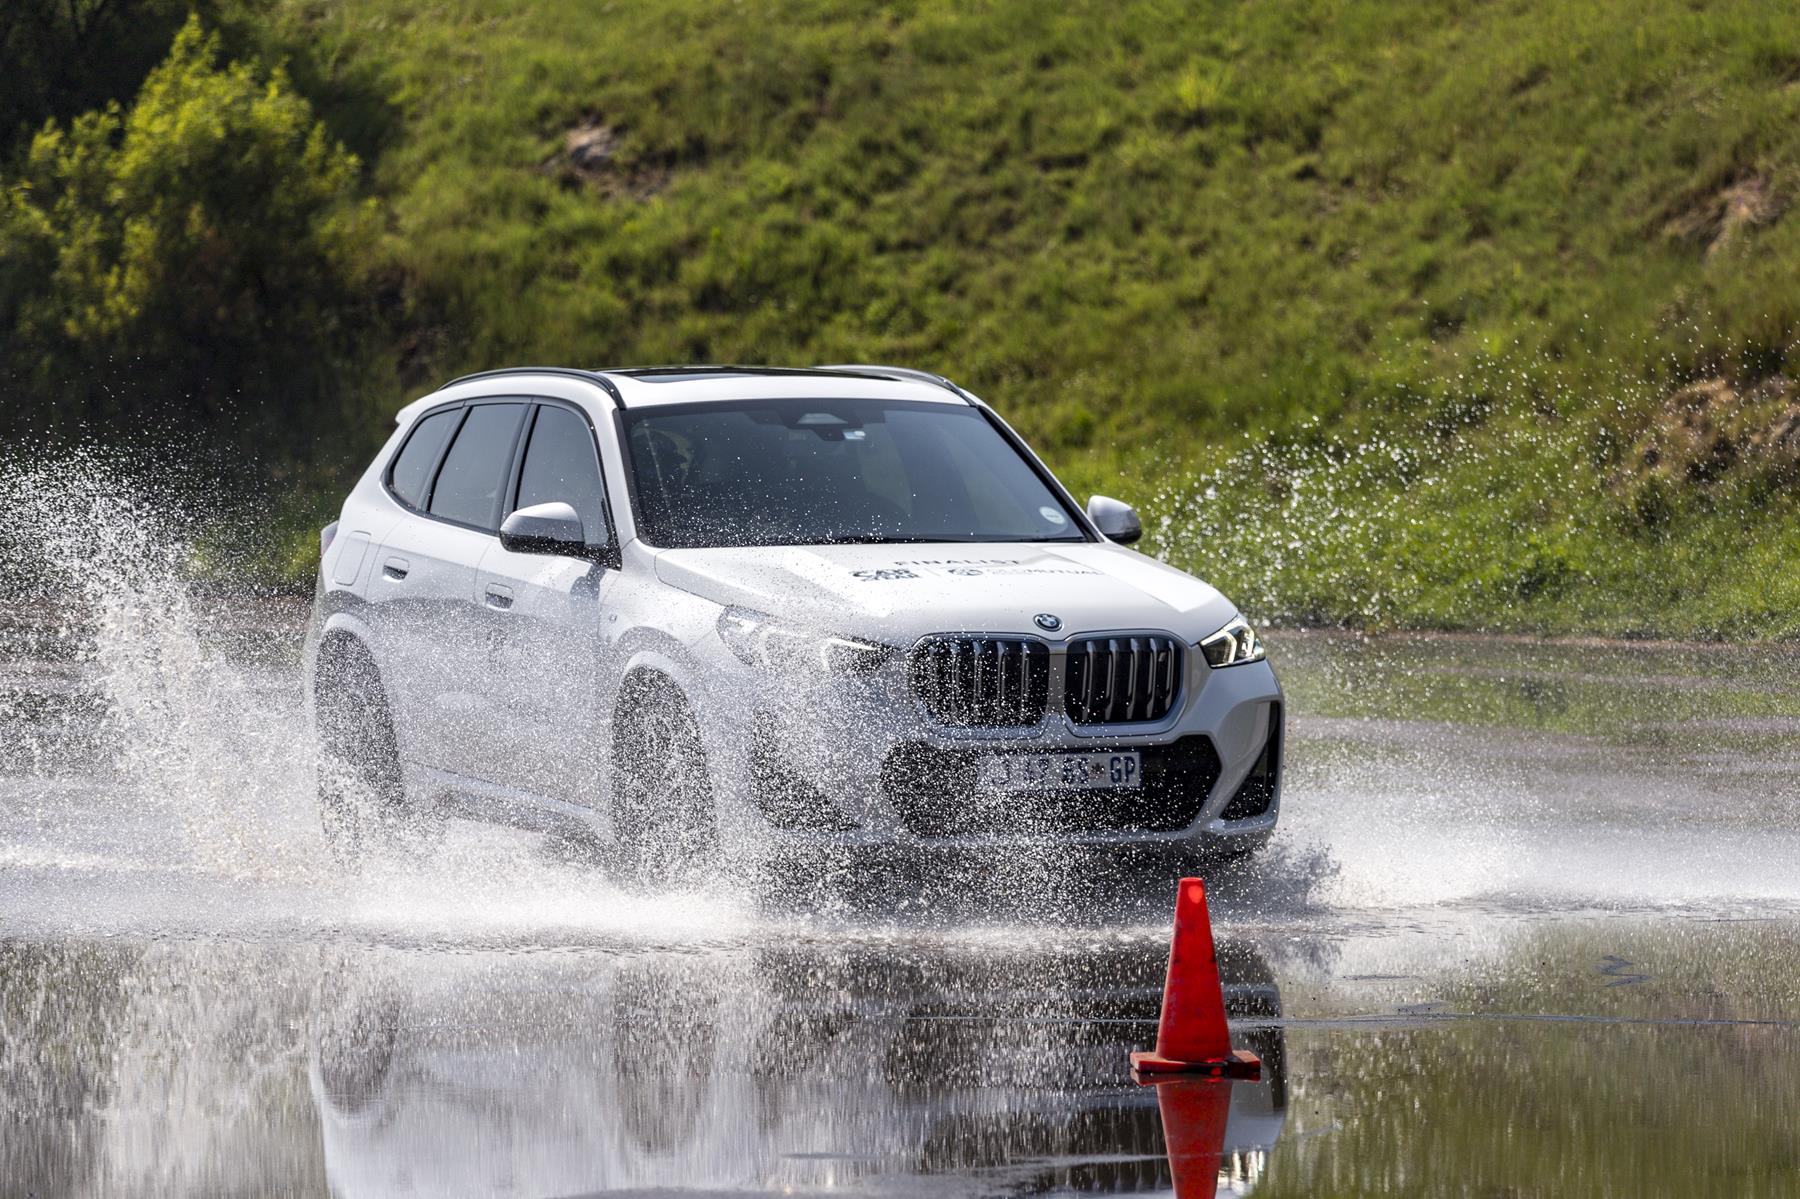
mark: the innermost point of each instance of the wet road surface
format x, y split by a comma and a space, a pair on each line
1532, 927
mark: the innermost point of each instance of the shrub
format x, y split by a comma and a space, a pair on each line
194, 259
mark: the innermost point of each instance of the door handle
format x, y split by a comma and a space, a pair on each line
395, 568
499, 597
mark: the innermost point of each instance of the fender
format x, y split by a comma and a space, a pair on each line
345, 622
652, 649
718, 716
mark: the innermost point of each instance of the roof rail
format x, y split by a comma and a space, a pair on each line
898, 372
712, 368
594, 377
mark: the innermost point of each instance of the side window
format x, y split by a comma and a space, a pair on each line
412, 465
560, 465
474, 475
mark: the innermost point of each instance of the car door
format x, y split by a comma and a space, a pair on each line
547, 632
406, 575
424, 588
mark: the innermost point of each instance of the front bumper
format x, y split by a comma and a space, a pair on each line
855, 764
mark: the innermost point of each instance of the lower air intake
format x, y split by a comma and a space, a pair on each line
1260, 786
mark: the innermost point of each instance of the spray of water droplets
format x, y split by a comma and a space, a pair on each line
212, 746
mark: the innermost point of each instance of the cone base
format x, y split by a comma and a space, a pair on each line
1240, 1064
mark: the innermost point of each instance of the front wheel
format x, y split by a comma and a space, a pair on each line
663, 820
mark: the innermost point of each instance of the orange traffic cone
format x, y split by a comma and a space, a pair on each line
1191, 1037
1195, 1113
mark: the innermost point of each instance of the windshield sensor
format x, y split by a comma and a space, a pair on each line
834, 472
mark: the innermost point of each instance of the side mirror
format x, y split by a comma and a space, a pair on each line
545, 529
1115, 518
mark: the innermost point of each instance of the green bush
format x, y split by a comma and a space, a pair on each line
195, 261
61, 58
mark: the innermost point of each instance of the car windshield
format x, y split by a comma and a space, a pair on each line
824, 472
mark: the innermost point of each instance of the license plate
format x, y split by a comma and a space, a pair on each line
1060, 772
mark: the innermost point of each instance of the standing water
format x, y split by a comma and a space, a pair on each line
1530, 927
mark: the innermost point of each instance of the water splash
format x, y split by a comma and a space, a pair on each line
103, 567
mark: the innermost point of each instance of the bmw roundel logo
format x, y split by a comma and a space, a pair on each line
1047, 621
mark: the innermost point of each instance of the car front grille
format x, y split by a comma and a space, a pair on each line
1121, 680
935, 793
983, 682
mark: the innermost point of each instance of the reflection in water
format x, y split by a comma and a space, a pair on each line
805, 1068
1196, 1124
371, 1070
975, 1063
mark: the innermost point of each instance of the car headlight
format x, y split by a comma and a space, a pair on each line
1233, 645
760, 640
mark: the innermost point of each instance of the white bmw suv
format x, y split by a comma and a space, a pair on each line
685, 612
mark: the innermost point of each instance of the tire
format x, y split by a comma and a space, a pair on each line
664, 825
362, 800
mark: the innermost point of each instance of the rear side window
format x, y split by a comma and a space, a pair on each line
474, 475
560, 466
412, 466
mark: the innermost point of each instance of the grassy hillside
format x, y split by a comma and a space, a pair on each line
1118, 220
1444, 313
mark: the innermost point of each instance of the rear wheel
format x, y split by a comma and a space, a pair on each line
662, 811
362, 801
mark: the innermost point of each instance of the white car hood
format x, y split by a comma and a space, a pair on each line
897, 593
